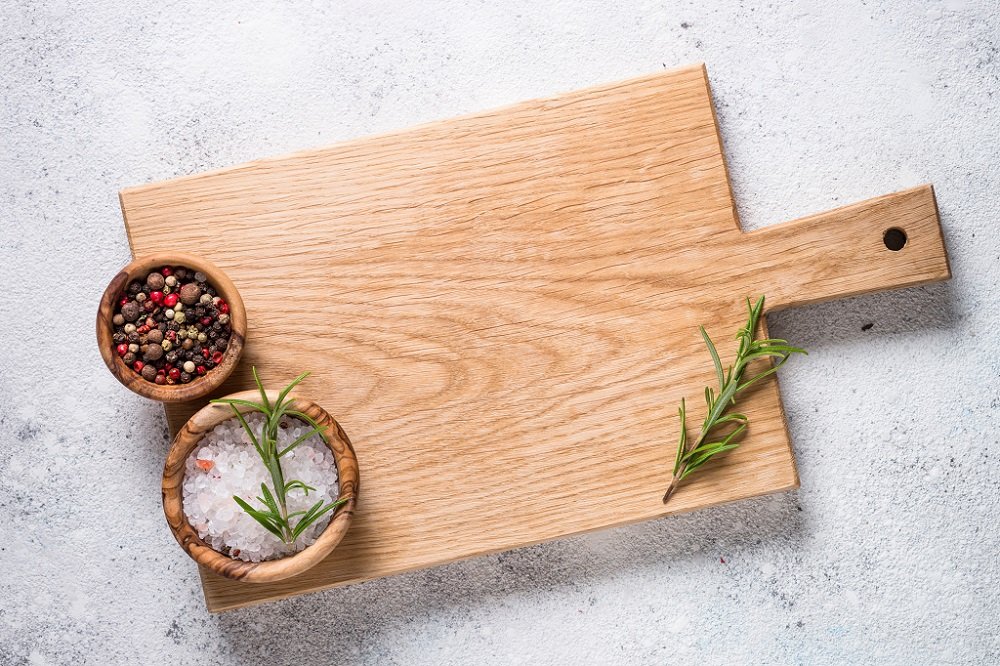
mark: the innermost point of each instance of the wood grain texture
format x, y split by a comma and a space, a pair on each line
187, 439
502, 310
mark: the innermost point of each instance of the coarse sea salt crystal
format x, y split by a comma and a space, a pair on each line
237, 470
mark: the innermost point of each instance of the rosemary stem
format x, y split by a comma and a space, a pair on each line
278, 478
676, 480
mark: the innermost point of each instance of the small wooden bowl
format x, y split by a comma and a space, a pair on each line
257, 572
197, 388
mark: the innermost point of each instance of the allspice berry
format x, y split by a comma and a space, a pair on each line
155, 336
149, 372
130, 311
155, 281
190, 293
152, 353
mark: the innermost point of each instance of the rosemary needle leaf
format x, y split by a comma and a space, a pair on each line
699, 460
683, 440
312, 516
314, 431
236, 401
269, 499
715, 356
291, 485
306, 520
263, 394
310, 420
248, 430
295, 382
260, 517
732, 417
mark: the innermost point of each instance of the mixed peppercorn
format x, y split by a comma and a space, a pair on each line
173, 327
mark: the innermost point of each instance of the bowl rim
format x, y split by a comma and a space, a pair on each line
177, 392
185, 442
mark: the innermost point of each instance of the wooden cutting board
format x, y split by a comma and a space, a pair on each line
502, 311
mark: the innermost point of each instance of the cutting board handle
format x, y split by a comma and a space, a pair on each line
883, 243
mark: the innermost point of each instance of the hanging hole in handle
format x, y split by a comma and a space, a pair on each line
894, 239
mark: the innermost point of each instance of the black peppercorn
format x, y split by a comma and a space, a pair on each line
171, 356
129, 358
119, 337
185, 377
134, 288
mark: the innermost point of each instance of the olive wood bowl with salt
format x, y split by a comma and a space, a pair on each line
269, 570
202, 385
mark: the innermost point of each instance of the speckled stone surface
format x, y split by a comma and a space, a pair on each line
887, 554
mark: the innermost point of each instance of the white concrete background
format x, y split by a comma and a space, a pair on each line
888, 553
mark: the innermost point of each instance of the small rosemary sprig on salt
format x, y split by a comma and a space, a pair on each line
710, 443
274, 516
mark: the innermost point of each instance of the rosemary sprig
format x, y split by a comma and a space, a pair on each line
710, 443
274, 515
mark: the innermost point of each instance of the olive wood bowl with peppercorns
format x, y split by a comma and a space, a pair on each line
118, 301
188, 438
